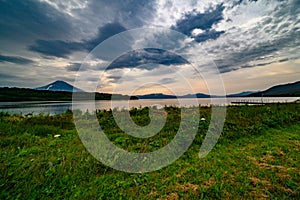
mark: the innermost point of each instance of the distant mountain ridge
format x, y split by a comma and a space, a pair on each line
284, 90
198, 95
59, 86
166, 96
287, 90
156, 96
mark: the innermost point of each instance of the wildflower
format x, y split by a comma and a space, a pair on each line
50, 164
202, 119
56, 136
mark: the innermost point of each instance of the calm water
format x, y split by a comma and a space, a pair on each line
60, 107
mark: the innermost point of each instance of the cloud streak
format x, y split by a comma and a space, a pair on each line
15, 60
146, 59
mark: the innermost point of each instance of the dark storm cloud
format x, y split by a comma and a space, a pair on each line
27, 19
210, 34
203, 21
146, 59
59, 48
118, 14
15, 59
104, 33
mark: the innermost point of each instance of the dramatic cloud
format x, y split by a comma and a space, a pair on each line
270, 36
146, 59
56, 48
23, 19
63, 49
208, 34
201, 21
49, 39
104, 33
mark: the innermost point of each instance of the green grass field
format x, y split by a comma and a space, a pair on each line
257, 157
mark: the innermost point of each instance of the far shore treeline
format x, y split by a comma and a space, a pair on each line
24, 94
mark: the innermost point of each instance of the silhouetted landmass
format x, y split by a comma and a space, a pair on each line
242, 94
166, 96
285, 90
156, 96
24, 94
198, 95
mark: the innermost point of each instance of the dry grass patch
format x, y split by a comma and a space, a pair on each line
268, 156
255, 181
188, 187
172, 196
269, 166
211, 181
258, 195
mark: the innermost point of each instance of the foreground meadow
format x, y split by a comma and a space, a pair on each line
257, 156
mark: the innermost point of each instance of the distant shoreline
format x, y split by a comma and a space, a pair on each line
25, 94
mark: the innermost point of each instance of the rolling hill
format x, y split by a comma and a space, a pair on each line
284, 90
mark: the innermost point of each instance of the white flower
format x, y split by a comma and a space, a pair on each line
202, 119
56, 135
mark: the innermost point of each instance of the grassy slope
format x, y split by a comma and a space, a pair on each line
257, 157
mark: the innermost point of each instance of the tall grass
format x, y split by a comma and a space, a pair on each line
257, 156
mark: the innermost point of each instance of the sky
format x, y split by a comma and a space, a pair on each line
248, 44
